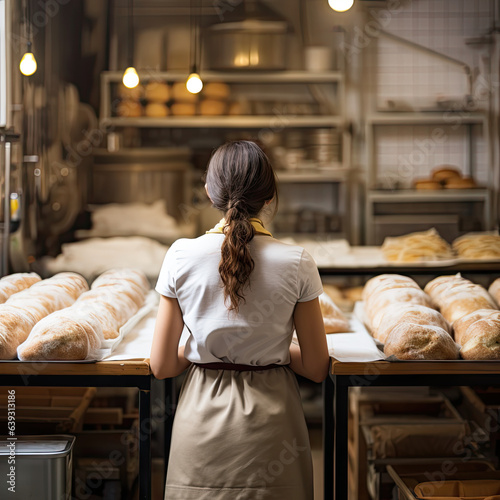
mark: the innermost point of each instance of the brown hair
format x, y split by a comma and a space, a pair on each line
240, 179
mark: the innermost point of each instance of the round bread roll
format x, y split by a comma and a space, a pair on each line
481, 341
409, 313
130, 94
461, 326
462, 303
129, 109
409, 341
216, 90
494, 291
460, 183
181, 94
444, 172
372, 283
427, 184
157, 92
183, 109
156, 110
211, 107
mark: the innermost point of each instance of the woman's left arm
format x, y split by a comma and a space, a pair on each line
167, 358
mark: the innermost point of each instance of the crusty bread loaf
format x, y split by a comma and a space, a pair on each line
376, 281
462, 303
494, 291
407, 313
333, 318
156, 110
157, 92
26, 308
461, 326
481, 341
72, 333
14, 283
409, 341
97, 315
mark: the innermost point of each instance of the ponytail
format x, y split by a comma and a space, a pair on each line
240, 180
236, 263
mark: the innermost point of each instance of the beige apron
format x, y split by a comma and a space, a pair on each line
239, 435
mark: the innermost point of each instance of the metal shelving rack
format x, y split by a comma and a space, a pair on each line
340, 173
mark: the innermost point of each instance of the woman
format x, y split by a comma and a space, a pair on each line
239, 430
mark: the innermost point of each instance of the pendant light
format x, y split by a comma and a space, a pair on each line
340, 5
130, 77
28, 65
194, 83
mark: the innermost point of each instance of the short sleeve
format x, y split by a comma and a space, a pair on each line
166, 280
309, 284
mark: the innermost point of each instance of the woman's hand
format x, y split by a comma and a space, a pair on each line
167, 357
310, 358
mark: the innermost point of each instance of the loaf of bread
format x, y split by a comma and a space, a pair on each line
129, 109
133, 94
211, 107
494, 291
97, 315
216, 90
410, 313
461, 326
481, 340
20, 313
14, 283
445, 172
460, 183
156, 110
181, 94
414, 247
428, 184
381, 279
410, 341
157, 92
478, 246
333, 318
183, 109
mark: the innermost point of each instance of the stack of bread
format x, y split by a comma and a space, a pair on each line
184, 103
478, 246
14, 283
129, 104
414, 247
77, 332
215, 99
401, 316
156, 94
333, 318
445, 177
472, 312
23, 310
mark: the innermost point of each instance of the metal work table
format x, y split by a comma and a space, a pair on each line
382, 373
126, 373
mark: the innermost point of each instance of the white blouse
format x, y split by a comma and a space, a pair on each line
261, 332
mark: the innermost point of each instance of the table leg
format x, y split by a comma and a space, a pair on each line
170, 403
341, 457
328, 423
144, 444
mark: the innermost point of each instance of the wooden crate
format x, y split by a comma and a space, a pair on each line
47, 410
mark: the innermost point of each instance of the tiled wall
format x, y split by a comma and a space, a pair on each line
414, 79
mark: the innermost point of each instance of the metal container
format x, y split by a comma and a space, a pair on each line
42, 467
248, 44
142, 175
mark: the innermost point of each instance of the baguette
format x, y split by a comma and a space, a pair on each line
78, 331
14, 283
23, 310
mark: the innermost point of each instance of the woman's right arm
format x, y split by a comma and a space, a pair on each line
310, 358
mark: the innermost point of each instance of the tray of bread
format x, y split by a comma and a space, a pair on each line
451, 319
63, 319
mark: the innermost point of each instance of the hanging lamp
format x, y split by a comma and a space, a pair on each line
130, 77
28, 65
193, 82
340, 5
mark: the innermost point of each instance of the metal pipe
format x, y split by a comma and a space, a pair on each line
467, 69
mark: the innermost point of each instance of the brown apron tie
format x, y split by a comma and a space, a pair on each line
236, 367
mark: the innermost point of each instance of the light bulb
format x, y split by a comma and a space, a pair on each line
340, 5
28, 64
194, 83
130, 78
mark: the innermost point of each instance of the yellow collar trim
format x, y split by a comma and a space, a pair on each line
256, 223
